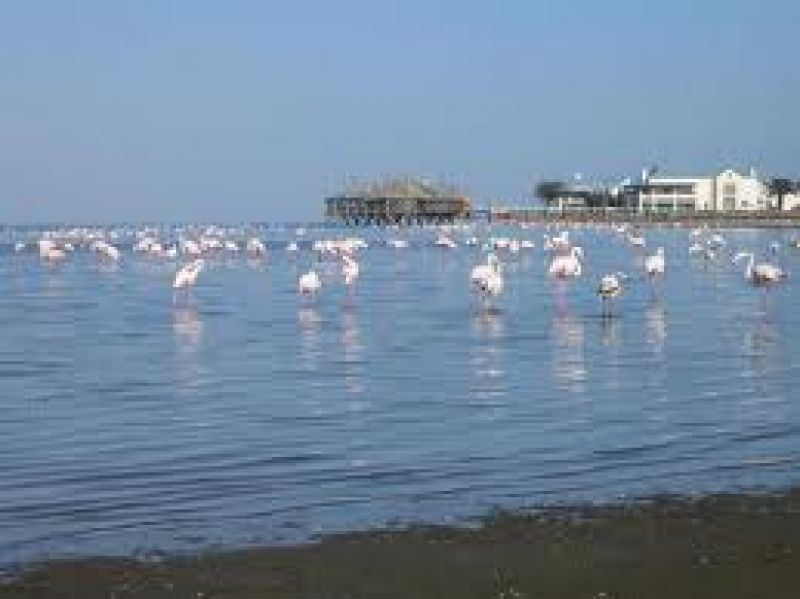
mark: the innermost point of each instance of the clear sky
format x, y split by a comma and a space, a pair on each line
254, 110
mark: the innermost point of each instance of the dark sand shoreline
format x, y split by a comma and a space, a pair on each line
726, 546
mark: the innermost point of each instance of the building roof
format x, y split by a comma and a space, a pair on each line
402, 188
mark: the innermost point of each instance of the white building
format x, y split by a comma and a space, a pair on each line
791, 201
726, 191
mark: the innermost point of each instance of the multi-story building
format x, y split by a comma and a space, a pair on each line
727, 191
791, 201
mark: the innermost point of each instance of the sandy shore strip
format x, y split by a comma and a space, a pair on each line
724, 546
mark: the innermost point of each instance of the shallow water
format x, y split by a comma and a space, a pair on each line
132, 423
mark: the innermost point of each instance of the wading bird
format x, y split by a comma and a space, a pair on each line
760, 273
488, 278
567, 265
309, 283
350, 269
655, 264
609, 289
186, 277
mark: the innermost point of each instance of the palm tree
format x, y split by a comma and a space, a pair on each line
780, 187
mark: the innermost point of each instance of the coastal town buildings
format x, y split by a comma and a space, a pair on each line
791, 201
726, 191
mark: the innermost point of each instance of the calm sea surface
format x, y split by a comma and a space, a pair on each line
130, 423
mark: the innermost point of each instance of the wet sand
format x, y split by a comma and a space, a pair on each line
724, 546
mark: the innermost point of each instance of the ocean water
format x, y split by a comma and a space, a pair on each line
132, 422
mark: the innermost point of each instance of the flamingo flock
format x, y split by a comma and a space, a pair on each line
191, 250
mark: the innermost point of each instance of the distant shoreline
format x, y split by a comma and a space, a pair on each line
726, 545
770, 220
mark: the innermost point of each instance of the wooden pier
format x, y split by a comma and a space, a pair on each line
398, 200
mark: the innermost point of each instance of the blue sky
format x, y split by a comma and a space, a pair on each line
239, 110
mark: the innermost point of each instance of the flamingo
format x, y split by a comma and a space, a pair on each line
561, 241
50, 252
761, 273
717, 241
350, 269
445, 241
309, 283
567, 265
256, 247
654, 265
488, 278
187, 276
106, 251
636, 240
190, 248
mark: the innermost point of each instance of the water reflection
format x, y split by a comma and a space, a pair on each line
108, 266
309, 323
258, 264
766, 404
188, 331
655, 325
488, 358
488, 323
54, 283
762, 343
569, 365
186, 325
352, 349
610, 331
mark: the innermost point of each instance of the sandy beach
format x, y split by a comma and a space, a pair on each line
724, 546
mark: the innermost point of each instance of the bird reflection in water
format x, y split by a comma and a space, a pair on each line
488, 358
187, 325
766, 365
655, 325
763, 344
108, 266
569, 365
610, 331
188, 330
352, 349
309, 323
488, 322
258, 264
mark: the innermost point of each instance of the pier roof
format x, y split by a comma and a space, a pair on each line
402, 188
